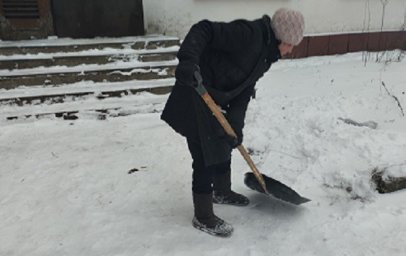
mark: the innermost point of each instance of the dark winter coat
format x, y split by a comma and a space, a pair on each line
232, 57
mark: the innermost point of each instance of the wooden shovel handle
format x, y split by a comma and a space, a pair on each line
230, 131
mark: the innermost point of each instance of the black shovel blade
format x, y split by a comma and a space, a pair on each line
275, 189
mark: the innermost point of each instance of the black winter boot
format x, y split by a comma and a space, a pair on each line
223, 193
204, 218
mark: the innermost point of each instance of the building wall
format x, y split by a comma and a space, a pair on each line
174, 17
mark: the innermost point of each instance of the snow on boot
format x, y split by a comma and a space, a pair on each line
231, 198
223, 193
204, 218
219, 228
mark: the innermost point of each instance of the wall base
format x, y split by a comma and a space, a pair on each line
344, 43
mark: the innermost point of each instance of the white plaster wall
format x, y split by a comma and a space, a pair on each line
174, 17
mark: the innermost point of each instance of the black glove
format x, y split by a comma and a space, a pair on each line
222, 135
185, 73
232, 141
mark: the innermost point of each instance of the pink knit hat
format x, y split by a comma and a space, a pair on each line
288, 26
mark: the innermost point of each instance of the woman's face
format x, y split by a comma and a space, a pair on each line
285, 48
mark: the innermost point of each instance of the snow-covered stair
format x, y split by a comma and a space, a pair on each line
54, 71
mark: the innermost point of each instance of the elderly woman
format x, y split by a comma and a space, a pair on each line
231, 57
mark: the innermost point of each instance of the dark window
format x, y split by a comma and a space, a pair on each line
20, 9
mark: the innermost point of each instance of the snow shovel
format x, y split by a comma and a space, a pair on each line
254, 180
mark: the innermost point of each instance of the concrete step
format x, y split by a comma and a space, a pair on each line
96, 113
70, 61
69, 78
150, 71
74, 96
61, 94
8, 48
100, 113
64, 61
87, 106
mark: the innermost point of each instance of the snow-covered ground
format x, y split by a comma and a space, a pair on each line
65, 187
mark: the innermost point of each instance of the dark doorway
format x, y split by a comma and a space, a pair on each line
92, 18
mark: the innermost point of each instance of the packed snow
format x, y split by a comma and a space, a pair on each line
66, 187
